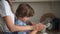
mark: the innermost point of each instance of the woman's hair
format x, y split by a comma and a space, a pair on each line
24, 10
10, 3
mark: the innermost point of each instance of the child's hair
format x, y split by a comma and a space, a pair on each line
24, 10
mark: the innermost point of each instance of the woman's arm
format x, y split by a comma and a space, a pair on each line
13, 27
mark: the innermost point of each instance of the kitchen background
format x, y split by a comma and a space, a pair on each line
41, 7
51, 8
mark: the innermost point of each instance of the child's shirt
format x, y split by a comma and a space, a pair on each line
21, 23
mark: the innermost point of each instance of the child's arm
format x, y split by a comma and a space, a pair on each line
34, 32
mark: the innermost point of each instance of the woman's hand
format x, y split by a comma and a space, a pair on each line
39, 27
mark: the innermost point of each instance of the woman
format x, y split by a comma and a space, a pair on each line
8, 19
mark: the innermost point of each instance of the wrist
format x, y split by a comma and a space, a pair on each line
34, 27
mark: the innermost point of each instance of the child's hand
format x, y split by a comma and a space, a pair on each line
39, 27
34, 32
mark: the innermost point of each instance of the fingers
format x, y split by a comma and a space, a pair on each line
39, 27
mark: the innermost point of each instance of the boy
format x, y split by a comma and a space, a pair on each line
23, 12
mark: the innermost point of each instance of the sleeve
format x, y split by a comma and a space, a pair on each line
6, 11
